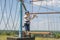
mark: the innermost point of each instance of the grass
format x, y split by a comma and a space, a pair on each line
38, 38
4, 37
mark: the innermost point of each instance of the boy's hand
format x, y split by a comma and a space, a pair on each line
35, 16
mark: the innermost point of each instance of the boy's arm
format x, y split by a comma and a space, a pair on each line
33, 17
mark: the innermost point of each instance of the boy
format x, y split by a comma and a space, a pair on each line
27, 19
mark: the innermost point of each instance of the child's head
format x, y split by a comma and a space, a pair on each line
27, 13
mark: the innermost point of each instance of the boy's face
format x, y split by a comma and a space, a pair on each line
27, 14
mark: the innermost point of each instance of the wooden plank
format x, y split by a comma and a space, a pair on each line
18, 38
39, 32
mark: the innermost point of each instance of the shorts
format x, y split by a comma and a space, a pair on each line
27, 26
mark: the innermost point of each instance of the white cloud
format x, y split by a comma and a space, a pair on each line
49, 3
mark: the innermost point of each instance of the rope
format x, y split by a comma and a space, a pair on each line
9, 15
2, 18
7, 24
47, 17
38, 17
15, 16
2, 11
40, 6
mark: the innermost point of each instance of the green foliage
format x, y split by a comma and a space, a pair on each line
3, 33
57, 35
8, 32
32, 35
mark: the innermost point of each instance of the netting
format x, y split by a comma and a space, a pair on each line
9, 15
47, 12
46, 21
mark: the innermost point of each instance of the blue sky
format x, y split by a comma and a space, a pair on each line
43, 22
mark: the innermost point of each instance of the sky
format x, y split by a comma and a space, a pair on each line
10, 16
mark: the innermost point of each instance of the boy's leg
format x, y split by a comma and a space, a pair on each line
28, 27
27, 30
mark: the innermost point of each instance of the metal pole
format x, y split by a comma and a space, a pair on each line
21, 18
46, 13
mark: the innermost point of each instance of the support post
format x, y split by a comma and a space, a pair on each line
20, 32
